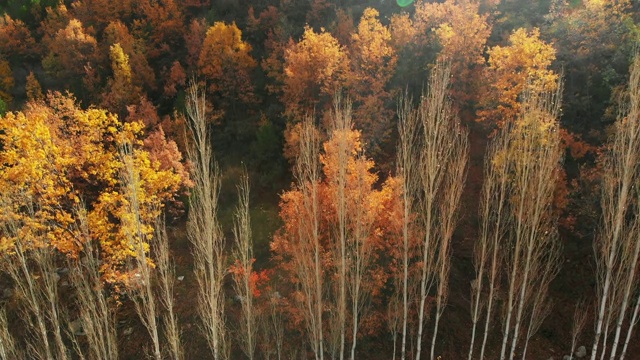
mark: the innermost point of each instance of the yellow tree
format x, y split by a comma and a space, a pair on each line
315, 68
142, 74
225, 62
121, 91
373, 64
462, 33
523, 65
56, 153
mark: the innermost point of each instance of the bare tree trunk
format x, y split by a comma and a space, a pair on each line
144, 297
617, 247
632, 324
308, 252
492, 232
361, 223
166, 282
243, 252
579, 320
95, 314
8, 348
39, 299
407, 169
341, 123
203, 228
442, 177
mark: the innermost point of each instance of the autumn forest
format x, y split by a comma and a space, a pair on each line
319, 179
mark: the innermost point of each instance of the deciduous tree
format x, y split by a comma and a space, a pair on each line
315, 69
523, 65
225, 61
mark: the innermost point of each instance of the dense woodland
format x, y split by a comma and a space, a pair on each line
319, 179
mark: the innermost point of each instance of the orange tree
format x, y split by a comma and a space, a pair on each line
379, 209
56, 155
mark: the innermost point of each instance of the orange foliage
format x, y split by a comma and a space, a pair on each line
315, 68
33, 88
142, 74
177, 79
69, 51
6, 81
161, 24
15, 39
373, 62
98, 13
344, 27
193, 40
402, 31
378, 206
121, 90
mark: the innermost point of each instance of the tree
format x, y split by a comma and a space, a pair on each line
121, 92
6, 81
161, 24
203, 228
142, 75
617, 247
57, 153
461, 32
373, 64
519, 232
139, 238
33, 88
16, 41
225, 61
242, 270
315, 69
442, 173
337, 232
69, 51
523, 65
98, 13
408, 167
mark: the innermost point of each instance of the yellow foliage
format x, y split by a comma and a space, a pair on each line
315, 69
225, 60
523, 65
56, 155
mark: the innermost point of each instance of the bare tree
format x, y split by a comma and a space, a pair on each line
166, 276
442, 174
144, 297
308, 250
8, 346
617, 247
408, 159
534, 154
341, 122
579, 320
359, 248
487, 254
95, 314
203, 227
243, 252
272, 323
29, 262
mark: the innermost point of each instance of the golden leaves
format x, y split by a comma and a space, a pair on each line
55, 153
